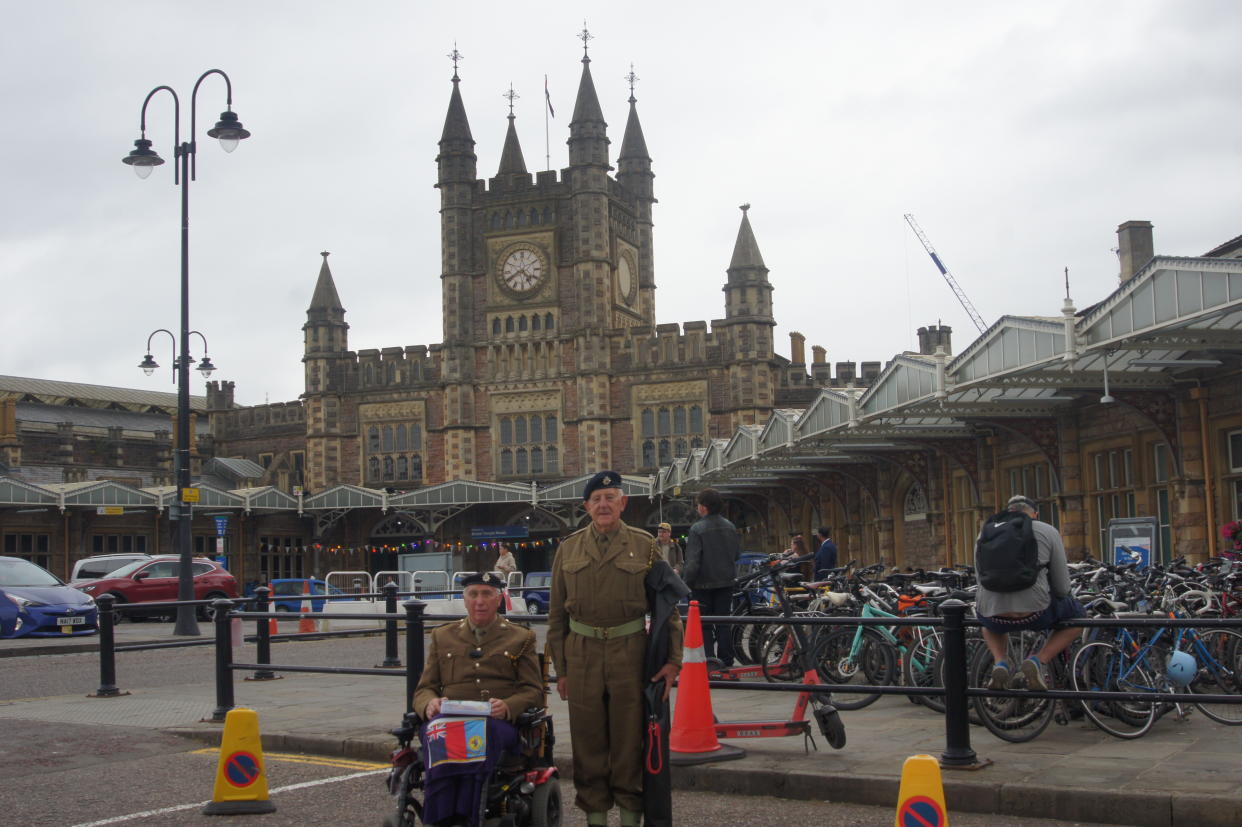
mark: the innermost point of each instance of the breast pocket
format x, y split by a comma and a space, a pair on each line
629, 573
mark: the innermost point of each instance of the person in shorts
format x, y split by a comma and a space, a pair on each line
1037, 608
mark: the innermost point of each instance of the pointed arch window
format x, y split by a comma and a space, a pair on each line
550, 460
522, 324
679, 420
368, 374
666, 452
536, 460
373, 438
403, 468
416, 468
387, 438
390, 373
522, 467
506, 431
547, 215
536, 429
495, 222
648, 420
549, 323
663, 422
387, 468
649, 456
496, 327
416, 436
519, 430
683, 449
534, 216
373, 468
506, 462
399, 442
696, 419
549, 428
508, 324
534, 322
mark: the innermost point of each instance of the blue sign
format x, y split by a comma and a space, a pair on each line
500, 532
222, 526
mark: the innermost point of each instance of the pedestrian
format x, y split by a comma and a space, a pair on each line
670, 549
712, 549
506, 563
826, 554
1036, 607
480, 658
597, 641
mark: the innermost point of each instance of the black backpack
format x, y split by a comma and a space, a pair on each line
1006, 553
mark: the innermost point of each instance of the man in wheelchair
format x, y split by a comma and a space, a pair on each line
489, 761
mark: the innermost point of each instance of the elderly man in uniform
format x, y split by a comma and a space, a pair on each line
480, 658
597, 639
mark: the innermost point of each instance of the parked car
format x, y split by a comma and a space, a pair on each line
101, 565
290, 586
36, 603
156, 580
539, 582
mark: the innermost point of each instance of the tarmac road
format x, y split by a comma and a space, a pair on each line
96, 775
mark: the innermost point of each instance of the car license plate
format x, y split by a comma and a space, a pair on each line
71, 621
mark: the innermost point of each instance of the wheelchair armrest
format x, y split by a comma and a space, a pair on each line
531, 717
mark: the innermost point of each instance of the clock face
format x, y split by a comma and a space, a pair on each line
522, 270
625, 278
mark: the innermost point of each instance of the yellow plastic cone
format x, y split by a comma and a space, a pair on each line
241, 782
920, 800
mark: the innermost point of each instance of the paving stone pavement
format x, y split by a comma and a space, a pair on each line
1183, 772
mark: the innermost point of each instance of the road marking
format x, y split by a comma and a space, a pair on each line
182, 807
297, 758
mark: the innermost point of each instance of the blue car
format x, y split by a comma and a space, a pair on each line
295, 586
539, 582
36, 603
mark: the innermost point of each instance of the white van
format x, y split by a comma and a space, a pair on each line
93, 568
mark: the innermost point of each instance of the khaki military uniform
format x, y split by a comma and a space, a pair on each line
597, 580
508, 667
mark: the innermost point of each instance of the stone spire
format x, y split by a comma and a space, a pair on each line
456, 160
746, 250
325, 304
511, 161
588, 132
633, 145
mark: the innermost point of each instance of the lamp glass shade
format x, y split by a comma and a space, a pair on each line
206, 368
142, 158
148, 365
228, 130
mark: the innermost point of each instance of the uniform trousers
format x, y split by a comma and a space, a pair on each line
605, 686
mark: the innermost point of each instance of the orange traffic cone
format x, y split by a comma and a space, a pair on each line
692, 739
273, 626
306, 624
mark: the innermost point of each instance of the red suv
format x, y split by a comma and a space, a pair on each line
155, 581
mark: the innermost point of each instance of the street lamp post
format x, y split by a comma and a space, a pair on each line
144, 159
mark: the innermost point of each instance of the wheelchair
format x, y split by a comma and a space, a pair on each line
524, 790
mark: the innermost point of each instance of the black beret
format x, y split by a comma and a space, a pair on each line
482, 578
604, 479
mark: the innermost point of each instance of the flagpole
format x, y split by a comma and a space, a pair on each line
547, 145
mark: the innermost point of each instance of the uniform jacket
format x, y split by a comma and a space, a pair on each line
508, 669
600, 582
712, 548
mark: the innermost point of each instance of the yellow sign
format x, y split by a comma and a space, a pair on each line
241, 783
189, 495
920, 800
110, 510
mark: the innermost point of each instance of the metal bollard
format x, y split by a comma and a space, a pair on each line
224, 661
391, 661
957, 752
107, 648
413, 648
263, 627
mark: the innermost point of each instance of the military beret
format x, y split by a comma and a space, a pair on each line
604, 479
482, 578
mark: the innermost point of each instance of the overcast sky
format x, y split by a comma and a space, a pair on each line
1019, 135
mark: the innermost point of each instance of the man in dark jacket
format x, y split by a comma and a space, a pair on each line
826, 554
712, 548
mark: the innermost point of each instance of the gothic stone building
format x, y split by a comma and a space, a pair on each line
552, 364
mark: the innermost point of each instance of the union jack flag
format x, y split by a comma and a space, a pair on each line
456, 741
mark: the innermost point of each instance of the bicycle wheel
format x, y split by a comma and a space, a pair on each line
919, 666
1100, 667
748, 637
777, 663
873, 665
1219, 656
1016, 718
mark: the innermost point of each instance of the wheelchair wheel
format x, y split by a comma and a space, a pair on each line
545, 805
409, 810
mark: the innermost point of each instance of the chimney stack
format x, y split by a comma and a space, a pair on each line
933, 336
1134, 247
819, 355
797, 348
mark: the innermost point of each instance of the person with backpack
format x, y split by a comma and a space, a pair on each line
1023, 584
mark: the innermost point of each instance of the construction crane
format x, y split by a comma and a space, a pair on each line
944, 271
